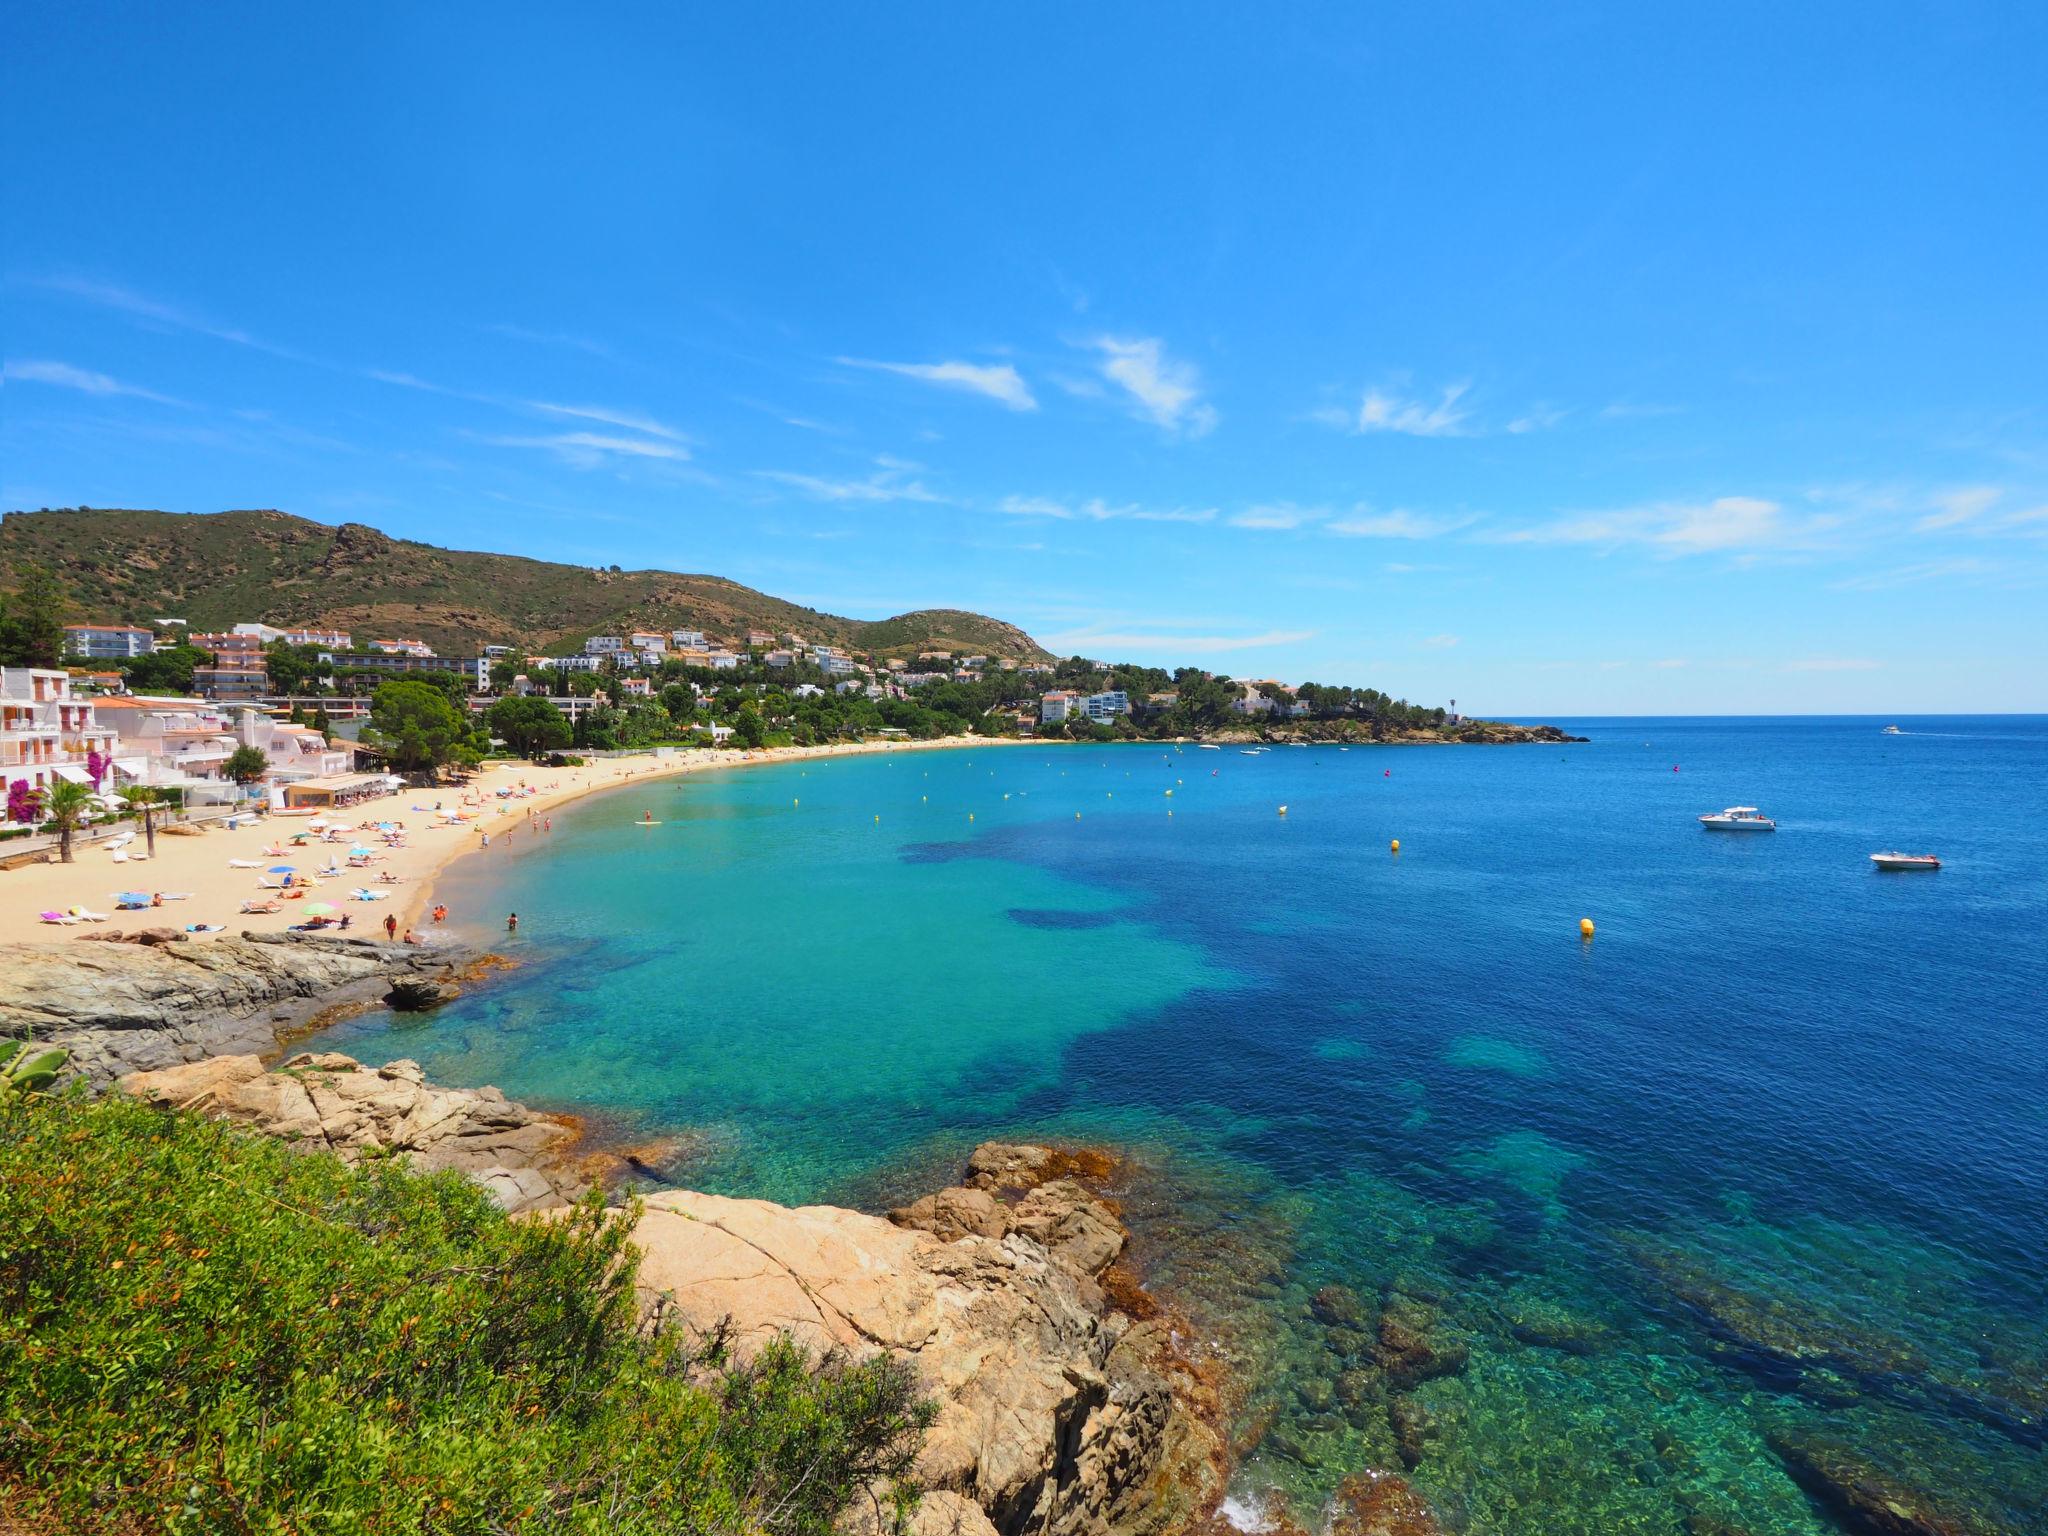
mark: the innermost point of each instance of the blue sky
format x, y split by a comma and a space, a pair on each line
1560, 359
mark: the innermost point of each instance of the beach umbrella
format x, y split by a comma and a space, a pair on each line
131, 896
319, 909
282, 869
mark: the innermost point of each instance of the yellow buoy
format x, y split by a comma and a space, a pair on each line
878, 816
796, 802
970, 815
1283, 810
1585, 927
1395, 845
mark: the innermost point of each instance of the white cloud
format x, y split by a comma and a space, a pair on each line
588, 449
1539, 418
1956, 507
1276, 515
891, 481
65, 376
1366, 524
1097, 642
1909, 575
1382, 410
1441, 642
1163, 391
1833, 664
1726, 523
627, 419
1671, 664
112, 296
1099, 511
998, 381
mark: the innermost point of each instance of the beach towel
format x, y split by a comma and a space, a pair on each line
204, 927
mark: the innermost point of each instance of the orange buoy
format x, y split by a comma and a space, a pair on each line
1585, 927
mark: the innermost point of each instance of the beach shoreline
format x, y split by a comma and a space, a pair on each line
196, 868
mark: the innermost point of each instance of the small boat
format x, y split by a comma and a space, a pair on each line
1905, 861
1892, 730
1739, 818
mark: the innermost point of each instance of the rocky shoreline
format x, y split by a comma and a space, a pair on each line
1071, 1402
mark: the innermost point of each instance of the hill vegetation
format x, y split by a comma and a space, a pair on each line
204, 1330
222, 568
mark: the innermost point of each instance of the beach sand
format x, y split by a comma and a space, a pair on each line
200, 864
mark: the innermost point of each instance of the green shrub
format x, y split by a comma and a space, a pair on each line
204, 1331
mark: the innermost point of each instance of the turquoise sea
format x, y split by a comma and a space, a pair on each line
1752, 1183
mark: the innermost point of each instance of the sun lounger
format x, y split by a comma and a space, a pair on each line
245, 863
262, 906
265, 883
120, 856
58, 917
90, 917
363, 895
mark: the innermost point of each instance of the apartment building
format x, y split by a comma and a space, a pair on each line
107, 642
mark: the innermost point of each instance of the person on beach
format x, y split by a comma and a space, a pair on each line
512, 923
409, 937
390, 927
440, 912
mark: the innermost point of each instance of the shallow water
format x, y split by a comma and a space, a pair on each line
1762, 1161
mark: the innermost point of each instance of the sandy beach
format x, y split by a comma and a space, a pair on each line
213, 888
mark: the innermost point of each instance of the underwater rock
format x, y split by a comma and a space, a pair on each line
1338, 1306
1415, 1429
416, 994
1413, 1346
1381, 1504
1316, 1394
1865, 1499
1362, 1392
1547, 1324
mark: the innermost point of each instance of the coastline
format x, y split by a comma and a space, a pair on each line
196, 866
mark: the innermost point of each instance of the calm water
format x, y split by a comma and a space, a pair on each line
1764, 1159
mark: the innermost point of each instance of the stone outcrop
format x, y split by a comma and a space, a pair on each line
120, 1008
1059, 1413
332, 1103
1867, 1500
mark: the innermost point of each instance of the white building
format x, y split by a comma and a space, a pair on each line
47, 733
327, 639
646, 640
104, 642
603, 645
1058, 705
1106, 706
418, 648
689, 640
585, 663
724, 661
833, 664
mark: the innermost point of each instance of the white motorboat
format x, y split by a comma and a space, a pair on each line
1905, 861
1739, 818
1892, 730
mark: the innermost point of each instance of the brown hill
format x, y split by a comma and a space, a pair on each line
221, 568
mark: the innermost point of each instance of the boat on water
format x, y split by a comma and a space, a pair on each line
1739, 818
1905, 861
1892, 730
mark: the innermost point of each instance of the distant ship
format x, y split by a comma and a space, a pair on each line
1905, 861
1893, 730
1739, 818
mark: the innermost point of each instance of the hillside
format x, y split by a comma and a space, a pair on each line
221, 568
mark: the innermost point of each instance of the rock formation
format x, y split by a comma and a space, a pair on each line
331, 1103
121, 1008
1059, 1412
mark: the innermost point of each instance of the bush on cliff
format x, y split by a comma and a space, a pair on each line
202, 1330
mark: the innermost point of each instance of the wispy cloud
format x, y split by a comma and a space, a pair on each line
893, 480
996, 381
1956, 507
1385, 410
1833, 664
1671, 664
1278, 516
1724, 524
1160, 389
1366, 524
1538, 418
127, 301
586, 450
1101, 642
65, 376
630, 420
551, 339
1912, 575
1625, 410
1440, 642
1100, 511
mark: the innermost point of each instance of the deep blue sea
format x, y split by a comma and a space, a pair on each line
1756, 1176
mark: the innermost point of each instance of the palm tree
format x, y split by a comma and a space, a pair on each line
145, 798
64, 808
